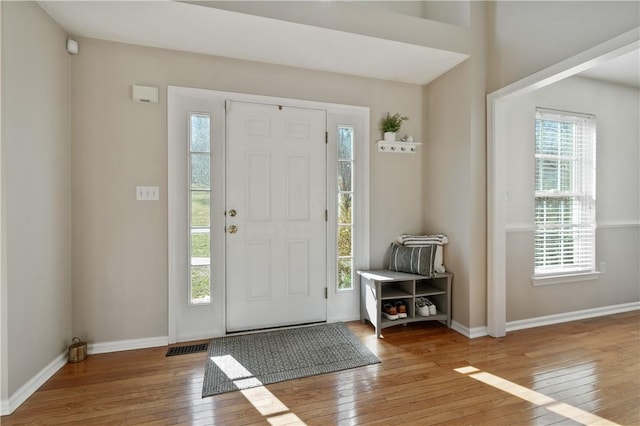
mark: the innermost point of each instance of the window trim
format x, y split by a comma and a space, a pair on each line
352, 225
358, 118
542, 280
586, 191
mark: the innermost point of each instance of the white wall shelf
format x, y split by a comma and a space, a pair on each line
398, 146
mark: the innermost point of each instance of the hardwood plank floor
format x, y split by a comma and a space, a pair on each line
564, 374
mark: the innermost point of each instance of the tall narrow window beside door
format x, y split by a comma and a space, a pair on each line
345, 207
199, 209
565, 193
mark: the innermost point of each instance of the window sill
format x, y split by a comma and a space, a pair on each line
565, 278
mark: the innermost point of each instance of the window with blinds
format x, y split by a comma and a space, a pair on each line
565, 193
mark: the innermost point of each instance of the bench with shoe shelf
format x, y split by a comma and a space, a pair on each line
383, 287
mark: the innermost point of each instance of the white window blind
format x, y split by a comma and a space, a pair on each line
565, 193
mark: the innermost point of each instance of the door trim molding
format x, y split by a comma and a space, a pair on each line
361, 245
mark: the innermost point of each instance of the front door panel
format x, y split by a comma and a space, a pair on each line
276, 240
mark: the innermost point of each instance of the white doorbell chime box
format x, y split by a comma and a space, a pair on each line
145, 94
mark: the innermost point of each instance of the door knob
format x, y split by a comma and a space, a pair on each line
233, 229
232, 213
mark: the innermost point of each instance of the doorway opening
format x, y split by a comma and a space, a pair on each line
274, 184
497, 163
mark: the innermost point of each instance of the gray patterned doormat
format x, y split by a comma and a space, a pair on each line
252, 360
188, 349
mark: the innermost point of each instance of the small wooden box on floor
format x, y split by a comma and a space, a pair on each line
381, 285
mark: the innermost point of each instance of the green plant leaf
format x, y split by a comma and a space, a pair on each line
392, 123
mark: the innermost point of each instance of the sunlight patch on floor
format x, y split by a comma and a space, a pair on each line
286, 419
260, 397
466, 370
264, 401
569, 411
512, 388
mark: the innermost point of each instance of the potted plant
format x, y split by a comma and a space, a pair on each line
390, 125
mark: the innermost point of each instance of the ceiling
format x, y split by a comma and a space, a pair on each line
624, 69
208, 30
211, 31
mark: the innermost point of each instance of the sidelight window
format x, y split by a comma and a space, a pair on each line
199, 209
345, 207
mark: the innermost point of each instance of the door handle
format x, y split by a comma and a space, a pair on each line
233, 229
232, 213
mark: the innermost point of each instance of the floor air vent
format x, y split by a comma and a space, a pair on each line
189, 349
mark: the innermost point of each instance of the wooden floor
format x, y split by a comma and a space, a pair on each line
576, 373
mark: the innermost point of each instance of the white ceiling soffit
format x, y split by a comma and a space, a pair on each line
198, 29
624, 70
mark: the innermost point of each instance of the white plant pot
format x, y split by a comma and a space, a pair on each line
389, 136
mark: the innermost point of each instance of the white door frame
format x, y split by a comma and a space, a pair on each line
349, 300
497, 162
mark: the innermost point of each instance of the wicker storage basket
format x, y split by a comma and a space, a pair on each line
77, 350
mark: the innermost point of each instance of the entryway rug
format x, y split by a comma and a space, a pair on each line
252, 360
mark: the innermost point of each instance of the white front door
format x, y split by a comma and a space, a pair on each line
276, 228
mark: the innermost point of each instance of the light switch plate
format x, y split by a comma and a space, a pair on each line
147, 193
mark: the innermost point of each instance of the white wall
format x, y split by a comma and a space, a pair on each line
617, 207
120, 245
35, 191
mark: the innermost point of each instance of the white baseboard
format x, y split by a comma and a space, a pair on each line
126, 345
474, 332
347, 318
208, 335
572, 316
33, 384
197, 336
26, 390
471, 333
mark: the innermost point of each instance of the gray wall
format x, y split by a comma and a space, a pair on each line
529, 36
455, 173
617, 110
450, 12
458, 160
507, 45
120, 245
36, 191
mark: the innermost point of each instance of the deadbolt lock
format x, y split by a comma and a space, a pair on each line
232, 213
